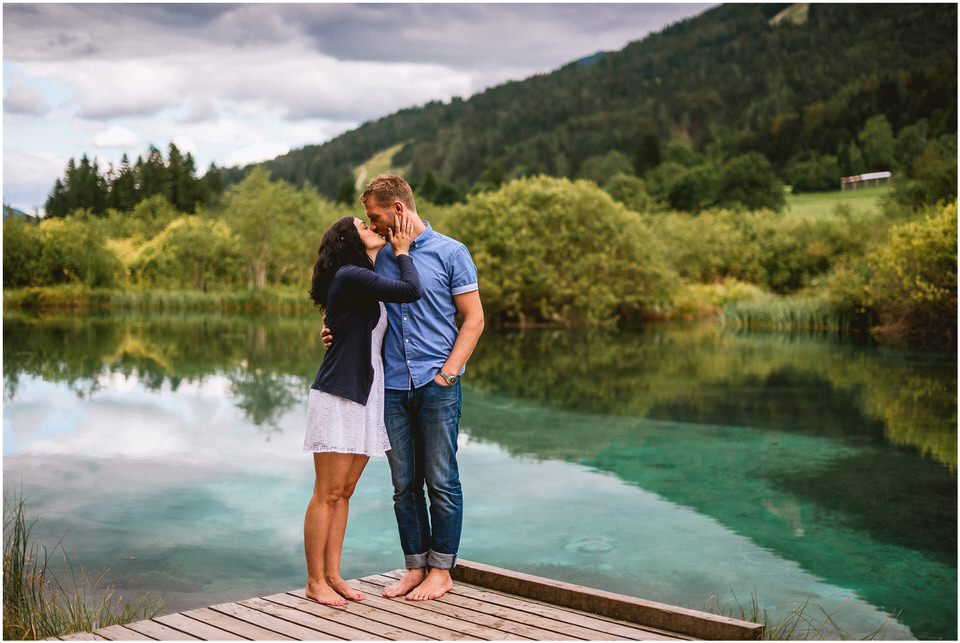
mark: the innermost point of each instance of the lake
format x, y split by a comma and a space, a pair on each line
677, 463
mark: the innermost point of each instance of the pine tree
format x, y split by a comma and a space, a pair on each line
56, 201
171, 181
186, 186
123, 191
153, 174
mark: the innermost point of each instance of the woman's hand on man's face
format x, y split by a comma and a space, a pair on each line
402, 236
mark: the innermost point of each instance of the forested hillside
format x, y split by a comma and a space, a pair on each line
731, 81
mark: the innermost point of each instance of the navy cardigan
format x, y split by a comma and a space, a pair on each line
353, 311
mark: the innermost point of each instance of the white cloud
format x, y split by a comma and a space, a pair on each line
261, 151
185, 144
117, 137
28, 177
21, 98
237, 83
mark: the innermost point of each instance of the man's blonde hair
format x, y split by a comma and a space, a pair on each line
388, 188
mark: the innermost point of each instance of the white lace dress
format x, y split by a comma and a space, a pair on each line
338, 425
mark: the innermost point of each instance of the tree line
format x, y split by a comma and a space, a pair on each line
895, 267
84, 186
726, 83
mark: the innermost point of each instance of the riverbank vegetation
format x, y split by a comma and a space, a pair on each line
802, 622
38, 604
549, 251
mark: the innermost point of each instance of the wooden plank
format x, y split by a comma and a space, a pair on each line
235, 625
82, 636
626, 608
328, 626
160, 631
120, 633
534, 614
278, 625
203, 631
389, 626
436, 628
501, 618
458, 623
549, 616
585, 624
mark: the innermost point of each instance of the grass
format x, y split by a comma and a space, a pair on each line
802, 622
816, 204
77, 297
37, 604
379, 163
772, 312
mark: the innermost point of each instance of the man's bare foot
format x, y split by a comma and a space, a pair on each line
324, 594
437, 583
340, 586
411, 579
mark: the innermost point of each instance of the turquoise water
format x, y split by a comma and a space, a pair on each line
678, 464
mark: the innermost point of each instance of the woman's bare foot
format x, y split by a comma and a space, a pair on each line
324, 594
411, 579
437, 583
340, 586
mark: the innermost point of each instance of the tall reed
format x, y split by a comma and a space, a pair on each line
274, 300
37, 604
793, 314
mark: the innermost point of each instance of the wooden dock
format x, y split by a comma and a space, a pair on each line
487, 603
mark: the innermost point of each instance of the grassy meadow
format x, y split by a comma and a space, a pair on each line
814, 204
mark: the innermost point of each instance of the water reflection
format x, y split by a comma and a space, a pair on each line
839, 458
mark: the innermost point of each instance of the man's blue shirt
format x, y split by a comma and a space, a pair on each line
420, 335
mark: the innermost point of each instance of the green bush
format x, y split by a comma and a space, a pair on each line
933, 175
554, 251
601, 168
21, 249
632, 193
913, 280
779, 253
73, 250
816, 174
748, 180
191, 252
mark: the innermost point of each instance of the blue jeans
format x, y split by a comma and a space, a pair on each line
422, 425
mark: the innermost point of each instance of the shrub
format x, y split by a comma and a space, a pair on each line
913, 280
554, 251
632, 193
190, 253
21, 249
748, 180
74, 251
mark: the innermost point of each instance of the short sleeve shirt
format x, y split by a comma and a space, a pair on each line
420, 335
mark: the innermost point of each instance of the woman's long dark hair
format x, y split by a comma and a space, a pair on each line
341, 246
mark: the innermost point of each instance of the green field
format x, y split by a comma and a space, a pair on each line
377, 164
816, 204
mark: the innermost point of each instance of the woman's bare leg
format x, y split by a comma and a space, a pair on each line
338, 525
332, 471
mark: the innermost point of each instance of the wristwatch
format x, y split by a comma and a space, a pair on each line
449, 379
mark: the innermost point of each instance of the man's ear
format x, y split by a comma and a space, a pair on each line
398, 207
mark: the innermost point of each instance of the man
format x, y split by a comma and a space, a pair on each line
424, 354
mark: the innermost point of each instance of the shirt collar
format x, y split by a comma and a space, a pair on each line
424, 236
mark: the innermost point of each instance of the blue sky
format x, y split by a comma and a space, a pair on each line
238, 83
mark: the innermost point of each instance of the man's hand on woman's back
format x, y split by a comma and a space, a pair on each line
326, 336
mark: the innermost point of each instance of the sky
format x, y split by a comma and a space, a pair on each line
238, 83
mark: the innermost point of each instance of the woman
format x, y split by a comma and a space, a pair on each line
345, 414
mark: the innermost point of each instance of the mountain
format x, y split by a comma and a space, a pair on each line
790, 82
10, 211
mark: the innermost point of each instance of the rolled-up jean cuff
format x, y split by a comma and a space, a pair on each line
436, 560
415, 561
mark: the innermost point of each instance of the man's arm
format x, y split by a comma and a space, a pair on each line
468, 305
